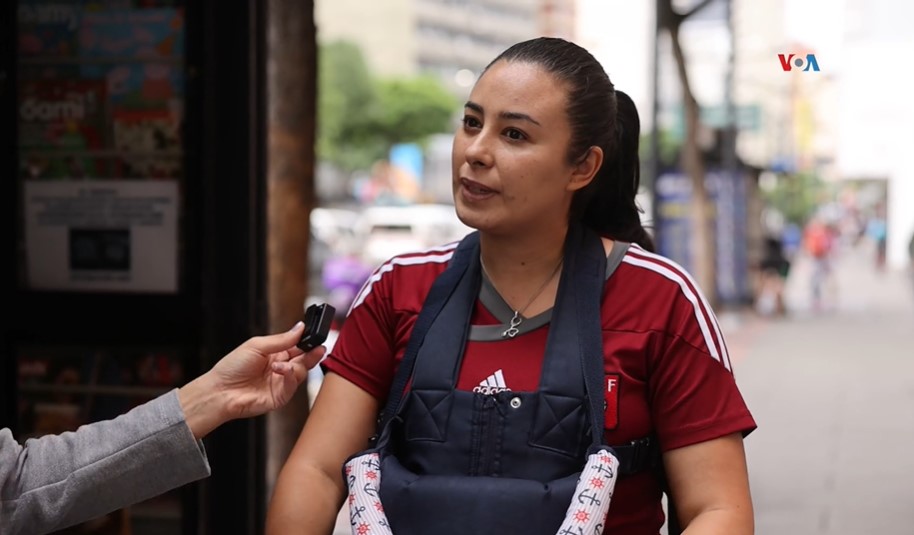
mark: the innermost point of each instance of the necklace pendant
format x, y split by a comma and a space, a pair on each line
513, 331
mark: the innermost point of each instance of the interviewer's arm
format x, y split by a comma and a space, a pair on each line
60, 480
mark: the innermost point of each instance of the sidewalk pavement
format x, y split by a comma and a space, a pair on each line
833, 395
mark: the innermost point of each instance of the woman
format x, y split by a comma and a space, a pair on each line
546, 146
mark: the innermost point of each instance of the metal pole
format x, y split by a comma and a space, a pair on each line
655, 128
731, 126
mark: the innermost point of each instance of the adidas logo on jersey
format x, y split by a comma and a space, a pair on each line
492, 384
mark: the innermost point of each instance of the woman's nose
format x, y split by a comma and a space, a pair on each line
478, 152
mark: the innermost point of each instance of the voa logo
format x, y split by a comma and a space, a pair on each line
790, 62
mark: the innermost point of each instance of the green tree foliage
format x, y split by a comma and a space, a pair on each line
346, 97
412, 109
360, 117
797, 196
670, 147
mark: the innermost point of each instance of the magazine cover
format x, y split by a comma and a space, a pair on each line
132, 33
141, 85
149, 142
138, 52
60, 120
48, 30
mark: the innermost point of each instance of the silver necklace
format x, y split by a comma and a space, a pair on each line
518, 318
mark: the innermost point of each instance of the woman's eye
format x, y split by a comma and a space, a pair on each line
471, 122
515, 134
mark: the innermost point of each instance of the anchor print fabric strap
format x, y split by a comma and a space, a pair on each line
366, 515
587, 512
585, 515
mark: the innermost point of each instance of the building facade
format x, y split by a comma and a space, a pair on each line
451, 39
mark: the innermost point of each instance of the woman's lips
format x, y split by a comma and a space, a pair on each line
474, 191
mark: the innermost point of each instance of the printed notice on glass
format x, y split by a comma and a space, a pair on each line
102, 235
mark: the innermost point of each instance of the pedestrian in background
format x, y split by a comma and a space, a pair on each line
774, 269
819, 243
911, 259
877, 230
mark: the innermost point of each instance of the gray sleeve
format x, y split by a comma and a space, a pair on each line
60, 480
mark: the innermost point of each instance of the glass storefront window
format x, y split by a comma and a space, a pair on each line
100, 110
101, 113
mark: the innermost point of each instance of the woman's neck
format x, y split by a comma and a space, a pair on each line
518, 266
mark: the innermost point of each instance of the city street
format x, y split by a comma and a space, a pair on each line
833, 394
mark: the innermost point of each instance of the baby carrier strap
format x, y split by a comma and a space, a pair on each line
442, 289
582, 263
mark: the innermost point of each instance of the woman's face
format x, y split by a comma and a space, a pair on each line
510, 171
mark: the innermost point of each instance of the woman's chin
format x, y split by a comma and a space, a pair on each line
469, 216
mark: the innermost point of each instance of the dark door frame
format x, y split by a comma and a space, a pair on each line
229, 72
10, 206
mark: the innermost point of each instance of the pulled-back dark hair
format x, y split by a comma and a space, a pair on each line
599, 116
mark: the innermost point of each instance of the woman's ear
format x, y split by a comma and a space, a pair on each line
584, 171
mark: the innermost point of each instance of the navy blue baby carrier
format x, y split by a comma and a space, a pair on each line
457, 462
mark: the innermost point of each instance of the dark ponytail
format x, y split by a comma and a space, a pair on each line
607, 205
599, 116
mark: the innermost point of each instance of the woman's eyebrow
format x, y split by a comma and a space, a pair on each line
511, 115
518, 116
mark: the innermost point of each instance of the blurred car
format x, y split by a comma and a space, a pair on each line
331, 225
319, 253
387, 231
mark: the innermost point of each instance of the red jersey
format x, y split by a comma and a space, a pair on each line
667, 369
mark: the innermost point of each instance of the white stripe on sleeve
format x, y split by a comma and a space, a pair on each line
707, 307
401, 261
689, 294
